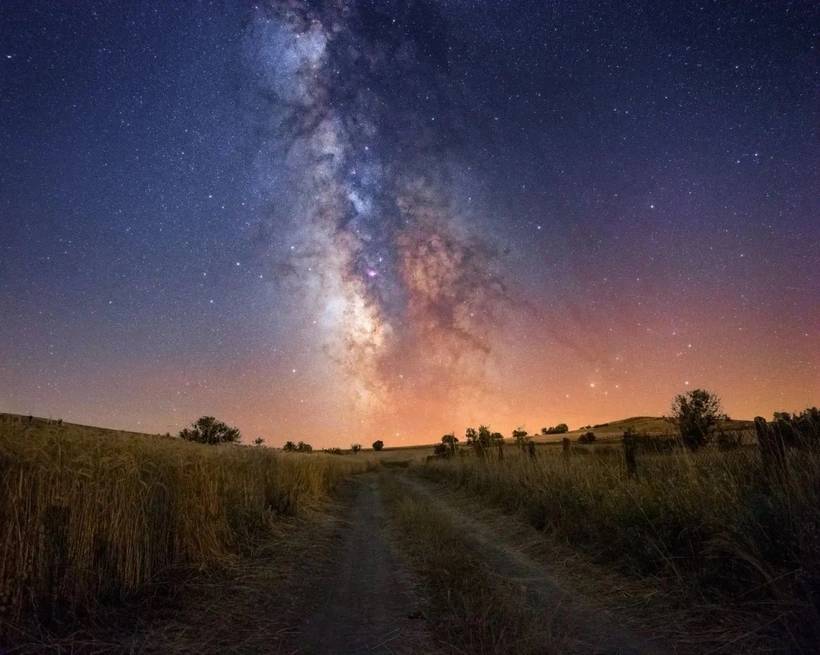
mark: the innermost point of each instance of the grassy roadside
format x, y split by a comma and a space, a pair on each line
87, 521
706, 526
471, 609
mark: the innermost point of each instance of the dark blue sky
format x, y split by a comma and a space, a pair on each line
321, 218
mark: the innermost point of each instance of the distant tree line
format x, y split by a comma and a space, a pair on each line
561, 428
300, 447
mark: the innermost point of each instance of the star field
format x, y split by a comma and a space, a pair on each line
339, 221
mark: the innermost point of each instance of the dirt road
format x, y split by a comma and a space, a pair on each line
342, 582
365, 602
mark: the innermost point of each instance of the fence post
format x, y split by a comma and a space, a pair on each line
531, 449
565, 444
631, 454
772, 449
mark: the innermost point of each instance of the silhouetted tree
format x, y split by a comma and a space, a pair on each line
355, 448
450, 440
303, 447
520, 436
210, 431
378, 444
696, 413
289, 447
471, 436
258, 441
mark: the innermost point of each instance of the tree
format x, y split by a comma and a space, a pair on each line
258, 441
520, 436
289, 447
450, 440
378, 444
210, 431
471, 435
696, 413
355, 448
303, 447
484, 436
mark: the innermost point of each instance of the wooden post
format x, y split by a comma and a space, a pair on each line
631, 454
772, 450
531, 449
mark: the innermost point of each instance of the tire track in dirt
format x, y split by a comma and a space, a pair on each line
588, 629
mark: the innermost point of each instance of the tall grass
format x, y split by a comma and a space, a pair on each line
708, 523
85, 517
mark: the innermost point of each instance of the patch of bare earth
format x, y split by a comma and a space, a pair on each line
364, 599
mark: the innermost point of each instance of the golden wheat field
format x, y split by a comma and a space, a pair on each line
87, 515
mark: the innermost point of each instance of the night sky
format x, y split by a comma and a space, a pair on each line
342, 221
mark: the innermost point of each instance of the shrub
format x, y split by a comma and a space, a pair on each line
441, 450
587, 437
378, 445
208, 430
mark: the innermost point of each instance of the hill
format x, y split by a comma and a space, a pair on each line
647, 425
38, 424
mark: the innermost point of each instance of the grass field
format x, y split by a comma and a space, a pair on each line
89, 515
709, 525
511, 550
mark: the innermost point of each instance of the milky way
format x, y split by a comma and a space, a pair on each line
405, 285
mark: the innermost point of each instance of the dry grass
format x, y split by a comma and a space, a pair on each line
706, 523
87, 518
471, 610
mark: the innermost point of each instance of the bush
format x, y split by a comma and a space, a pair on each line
208, 430
378, 445
441, 450
587, 437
